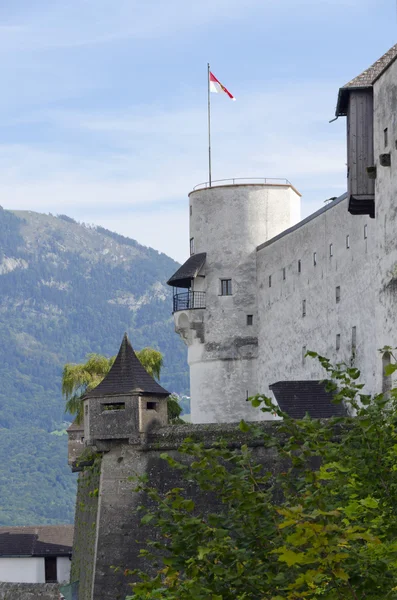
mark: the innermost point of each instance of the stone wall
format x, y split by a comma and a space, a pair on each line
29, 591
298, 307
119, 533
85, 529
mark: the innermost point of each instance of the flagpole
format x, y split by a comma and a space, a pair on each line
209, 126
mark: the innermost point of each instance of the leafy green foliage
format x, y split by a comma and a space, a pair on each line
324, 528
67, 291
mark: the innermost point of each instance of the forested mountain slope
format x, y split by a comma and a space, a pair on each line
66, 289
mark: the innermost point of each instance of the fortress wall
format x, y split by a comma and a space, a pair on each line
385, 98
29, 591
83, 559
119, 535
283, 330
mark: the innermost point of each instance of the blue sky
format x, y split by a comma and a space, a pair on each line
103, 102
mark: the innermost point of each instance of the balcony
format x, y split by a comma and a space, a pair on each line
189, 301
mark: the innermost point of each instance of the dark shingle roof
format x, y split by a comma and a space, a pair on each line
45, 540
296, 398
127, 376
188, 271
366, 79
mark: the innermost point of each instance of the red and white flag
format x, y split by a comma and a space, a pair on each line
218, 88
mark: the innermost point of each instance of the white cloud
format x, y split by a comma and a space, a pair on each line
87, 22
139, 184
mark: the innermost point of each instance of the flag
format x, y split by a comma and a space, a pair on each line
218, 88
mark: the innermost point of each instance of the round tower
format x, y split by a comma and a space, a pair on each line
215, 291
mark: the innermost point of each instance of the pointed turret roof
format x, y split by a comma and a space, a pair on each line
127, 376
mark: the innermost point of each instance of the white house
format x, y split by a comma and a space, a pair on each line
39, 554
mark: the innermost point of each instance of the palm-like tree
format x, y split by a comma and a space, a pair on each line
78, 379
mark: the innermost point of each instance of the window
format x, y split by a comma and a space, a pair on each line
191, 210
284, 274
365, 231
86, 409
331, 250
270, 281
299, 266
337, 294
385, 137
314, 258
191, 246
226, 287
354, 337
303, 355
337, 341
250, 319
303, 308
348, 241
113, 406
151, 405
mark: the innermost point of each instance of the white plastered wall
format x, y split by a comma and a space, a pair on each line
283, 330
22, 570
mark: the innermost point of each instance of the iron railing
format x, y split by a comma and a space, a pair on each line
243, 181
189, 301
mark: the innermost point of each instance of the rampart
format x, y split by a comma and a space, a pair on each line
108, 529
29, 591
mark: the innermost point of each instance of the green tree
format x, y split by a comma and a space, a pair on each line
312, 532
80, 378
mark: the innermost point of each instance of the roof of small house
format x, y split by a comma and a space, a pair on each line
127, 376
42, 540
75, 427
296, 398
366, 79
188, 271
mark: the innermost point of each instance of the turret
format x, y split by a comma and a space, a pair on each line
215, 312
126, 403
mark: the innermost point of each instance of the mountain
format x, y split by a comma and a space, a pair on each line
67, 289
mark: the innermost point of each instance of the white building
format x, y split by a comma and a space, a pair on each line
39, 554
261, 287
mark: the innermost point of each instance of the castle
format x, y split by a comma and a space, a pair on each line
259, 289
262, 287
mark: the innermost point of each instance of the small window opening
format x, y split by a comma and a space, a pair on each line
314, 258
270, 281
250, 319
191, 246
337, 294
303, 308
113, 406
191, 210
86, 409
348, 241
337, 341
303, 355
365, 231
331, 250
354, 337
151, 405
226, 287
283, 273
385, 137
299, 266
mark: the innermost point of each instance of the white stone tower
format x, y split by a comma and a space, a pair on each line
216, 311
